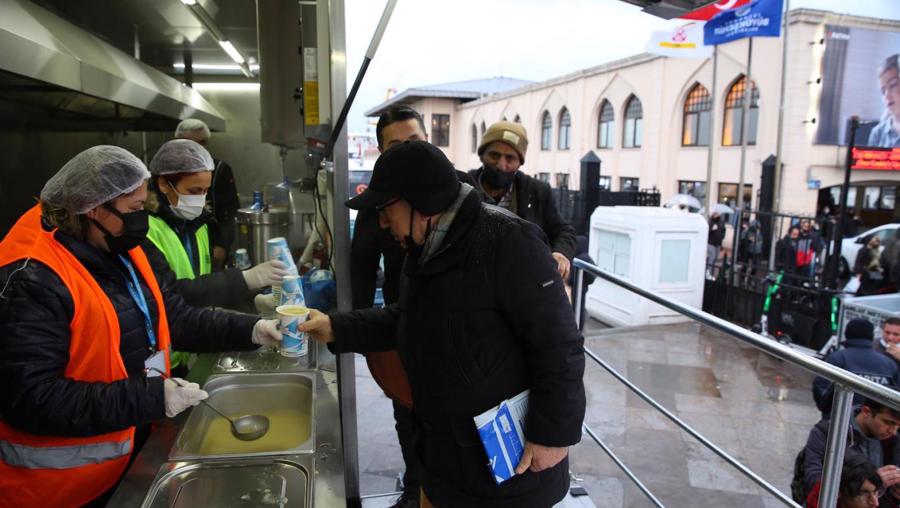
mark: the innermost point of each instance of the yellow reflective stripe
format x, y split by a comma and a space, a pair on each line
61, 457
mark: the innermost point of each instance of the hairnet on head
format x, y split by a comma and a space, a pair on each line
93, 177
193, 126
181, 156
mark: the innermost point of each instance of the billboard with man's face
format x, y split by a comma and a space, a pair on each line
860, 78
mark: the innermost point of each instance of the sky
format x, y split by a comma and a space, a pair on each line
438, 41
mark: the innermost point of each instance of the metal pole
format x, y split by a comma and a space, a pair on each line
835, 261
834, 448
745, 109
637, 482
577, 300
779, 140
712, 130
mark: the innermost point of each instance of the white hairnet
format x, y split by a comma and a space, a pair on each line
181, 156
192, 125
93, 177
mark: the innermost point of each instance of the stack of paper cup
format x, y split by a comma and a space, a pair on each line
293, 342
241, 259
278, 249
291, 291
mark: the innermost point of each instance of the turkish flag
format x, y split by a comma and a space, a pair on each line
707, 13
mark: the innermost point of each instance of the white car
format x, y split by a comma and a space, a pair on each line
851, 245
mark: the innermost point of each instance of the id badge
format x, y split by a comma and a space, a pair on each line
156, 361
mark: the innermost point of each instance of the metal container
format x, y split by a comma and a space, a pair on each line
264, 359
285, 398
875, 308
274, 481
256, 227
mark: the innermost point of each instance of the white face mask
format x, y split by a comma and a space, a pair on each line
189, 206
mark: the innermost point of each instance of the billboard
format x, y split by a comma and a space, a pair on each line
853, 84
878, 159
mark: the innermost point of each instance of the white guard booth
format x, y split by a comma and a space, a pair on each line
659, 249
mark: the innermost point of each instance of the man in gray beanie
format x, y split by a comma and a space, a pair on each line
482, 317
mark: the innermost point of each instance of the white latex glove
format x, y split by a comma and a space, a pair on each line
265, 274
265, 305
266, 333
181, 395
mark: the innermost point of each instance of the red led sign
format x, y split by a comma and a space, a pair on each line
878, 159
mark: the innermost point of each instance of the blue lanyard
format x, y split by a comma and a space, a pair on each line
189, 249
134, 289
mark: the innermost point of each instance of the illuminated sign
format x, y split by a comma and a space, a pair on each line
878, 159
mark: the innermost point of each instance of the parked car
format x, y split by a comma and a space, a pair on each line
851, 245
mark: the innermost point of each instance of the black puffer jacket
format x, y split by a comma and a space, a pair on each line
535, 203
35, 311
226, 288
485, 318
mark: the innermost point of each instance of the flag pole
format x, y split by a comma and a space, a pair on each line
776, 188
748, 96
712, 131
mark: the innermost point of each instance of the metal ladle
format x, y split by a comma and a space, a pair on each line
245, 428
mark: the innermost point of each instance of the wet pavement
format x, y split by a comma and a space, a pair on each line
756, 408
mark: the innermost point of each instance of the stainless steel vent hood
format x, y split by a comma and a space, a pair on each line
56, 76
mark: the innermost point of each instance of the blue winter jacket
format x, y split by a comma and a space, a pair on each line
859, 358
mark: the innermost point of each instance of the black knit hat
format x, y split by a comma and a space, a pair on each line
859, 329
416, 171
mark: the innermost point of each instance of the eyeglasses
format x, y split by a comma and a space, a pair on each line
866, 493
380, 208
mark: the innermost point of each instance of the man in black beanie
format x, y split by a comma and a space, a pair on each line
482, 317
857, 357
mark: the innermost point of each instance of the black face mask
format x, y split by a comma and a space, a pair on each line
134, 229
497, 179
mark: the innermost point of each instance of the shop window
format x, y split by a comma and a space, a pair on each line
871, 198
605, 183
627, 184
634, 123
697, 107
888, 197
546, 131
605, 125
851, 195
692, 188
734, 101
440, 129
565, 129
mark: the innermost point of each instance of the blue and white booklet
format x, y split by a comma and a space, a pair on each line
502, 431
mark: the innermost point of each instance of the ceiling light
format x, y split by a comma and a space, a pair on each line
232, 52
226, 87
215, 67
189, 2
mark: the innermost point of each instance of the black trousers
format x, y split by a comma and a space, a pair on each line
406, 425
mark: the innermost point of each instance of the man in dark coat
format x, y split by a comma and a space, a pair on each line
371, 242
502, 152
482, 317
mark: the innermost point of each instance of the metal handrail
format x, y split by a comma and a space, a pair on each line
845, 382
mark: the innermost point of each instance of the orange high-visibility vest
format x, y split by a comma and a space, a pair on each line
55, 471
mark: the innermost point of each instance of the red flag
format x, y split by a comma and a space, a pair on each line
706, 13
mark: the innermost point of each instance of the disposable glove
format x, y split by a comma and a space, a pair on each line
265, 305
265, 332
265, 274
181, 395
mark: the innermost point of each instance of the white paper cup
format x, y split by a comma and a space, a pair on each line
293, 342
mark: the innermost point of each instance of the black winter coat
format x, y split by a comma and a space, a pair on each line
535, 203
482, 320
225, 288
35, 311
223, 198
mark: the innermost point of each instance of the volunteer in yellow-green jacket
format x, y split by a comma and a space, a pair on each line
181, 176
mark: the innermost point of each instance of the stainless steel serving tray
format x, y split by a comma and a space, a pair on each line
273, 481
264, 359
251, 393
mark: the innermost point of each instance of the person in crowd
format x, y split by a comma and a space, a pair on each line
786, 252
890, 260
222, 197
809, 245
887, 133
867, 267
85, 328
889, 343
482, 316
857, 357
581, 250
751, 247
502, 153
370, 242
714, 241
872, 433
179, 234
860, 485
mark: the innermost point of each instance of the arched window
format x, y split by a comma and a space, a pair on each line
546, 131
565, 128
504, 119
606, 125
474, 138
483, 128
633, 133
517, 119
697, 107
734, 101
